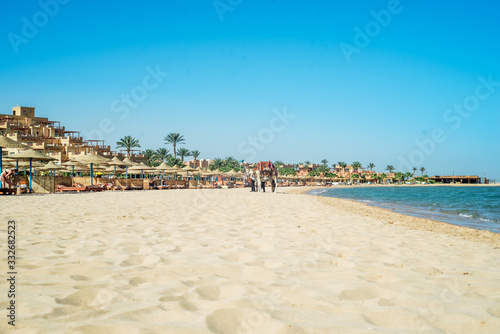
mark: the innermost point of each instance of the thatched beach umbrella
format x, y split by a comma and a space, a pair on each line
92, 159
140, 167
6, 142
116, 162
127, 163
30, 155
163, 167
114, 170
188, 169
51, 166
72, 164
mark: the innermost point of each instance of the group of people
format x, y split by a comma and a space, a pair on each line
6, 177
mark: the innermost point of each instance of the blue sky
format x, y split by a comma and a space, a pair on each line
234, 65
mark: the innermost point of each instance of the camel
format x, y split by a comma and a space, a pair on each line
264, 171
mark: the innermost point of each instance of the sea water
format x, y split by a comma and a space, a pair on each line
471, 206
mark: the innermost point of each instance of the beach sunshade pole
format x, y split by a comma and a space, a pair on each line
91, 173
31, 175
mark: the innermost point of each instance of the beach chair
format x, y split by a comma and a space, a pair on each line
8, 191
95, 187
76, 187
24, 187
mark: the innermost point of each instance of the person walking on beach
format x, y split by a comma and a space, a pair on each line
252, 184
263, 186
6, 176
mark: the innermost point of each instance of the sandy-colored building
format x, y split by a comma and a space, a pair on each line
48, 136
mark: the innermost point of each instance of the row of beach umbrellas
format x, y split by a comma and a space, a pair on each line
28, 157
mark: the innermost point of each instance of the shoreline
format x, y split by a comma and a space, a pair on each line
401, 219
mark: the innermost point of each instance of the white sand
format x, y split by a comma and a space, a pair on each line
231, 261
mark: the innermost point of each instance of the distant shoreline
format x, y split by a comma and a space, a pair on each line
402, 185
397, 218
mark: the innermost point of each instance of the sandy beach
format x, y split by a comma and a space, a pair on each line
230, 261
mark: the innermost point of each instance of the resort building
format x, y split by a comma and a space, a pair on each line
202, 163
464, 179
49, 137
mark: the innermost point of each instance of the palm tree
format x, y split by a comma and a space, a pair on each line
217, 163
356, 165
414, 170
172, 161
422, 170
174, 139
408, 175
390, 168
162, 154
150, 155
383, 176
324, 162
307, 163
371, 165
230, 161
342, 165
128, 143
195, 154
183, 152
399, 176
323, 169
278, 163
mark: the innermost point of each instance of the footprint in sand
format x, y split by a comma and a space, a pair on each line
88, 297
259, 244
358, 294
393, 319
429, 271
224, 321
140, 260
220, 292
238, 257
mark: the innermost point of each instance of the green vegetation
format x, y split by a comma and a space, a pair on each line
128, 143
174, 139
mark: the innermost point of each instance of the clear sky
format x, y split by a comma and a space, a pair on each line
407, 83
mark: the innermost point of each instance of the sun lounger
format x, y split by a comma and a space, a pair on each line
8, 191
76, 187
96, 187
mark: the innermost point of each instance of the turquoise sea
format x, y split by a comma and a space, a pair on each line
476, 207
